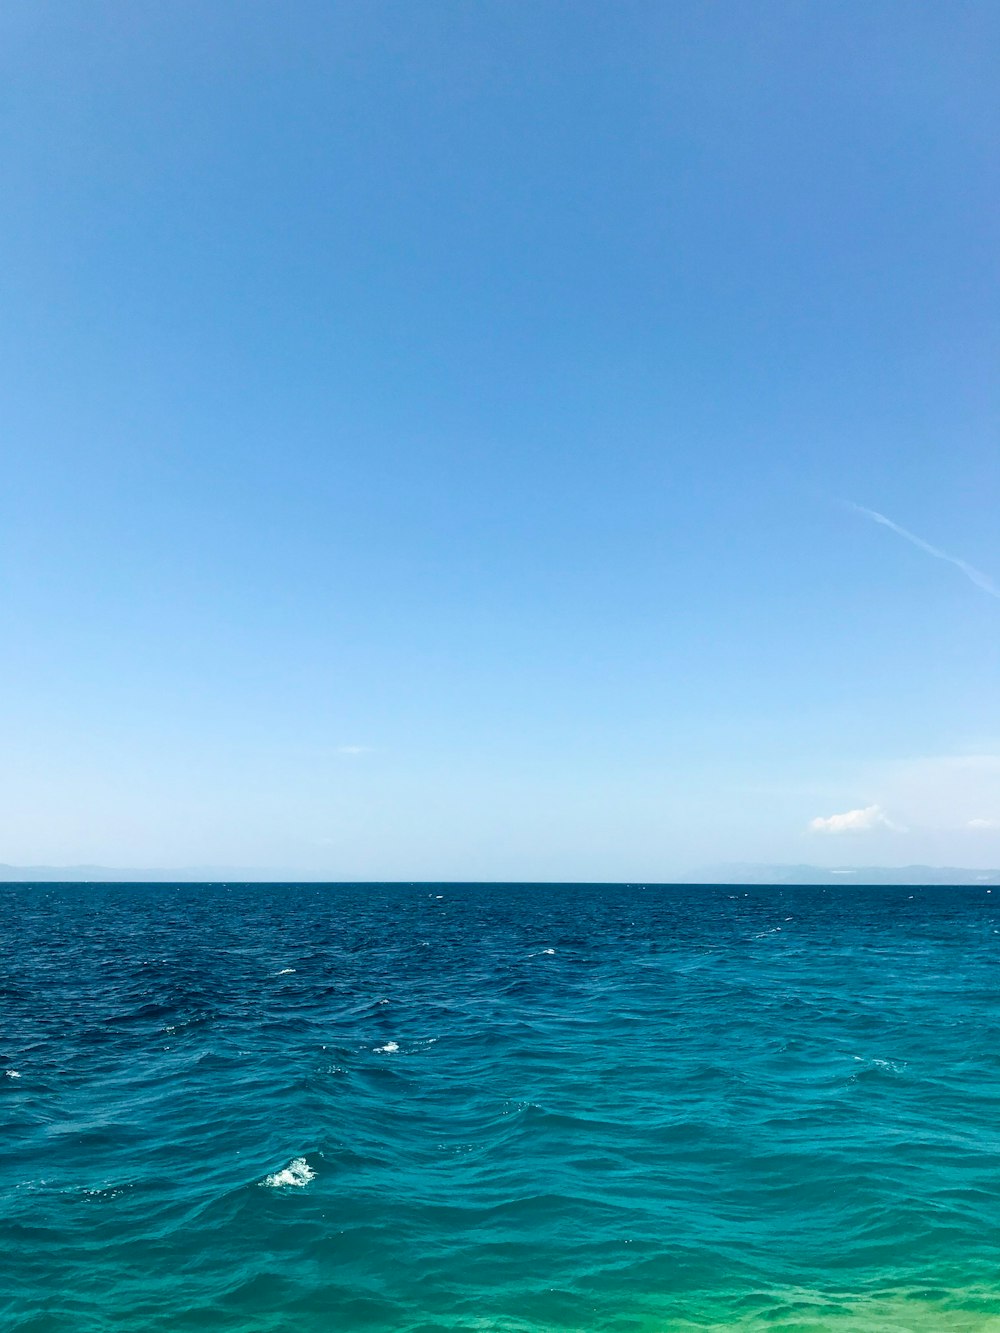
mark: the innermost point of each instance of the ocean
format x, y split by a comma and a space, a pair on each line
499, 1107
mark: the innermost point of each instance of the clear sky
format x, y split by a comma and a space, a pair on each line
454, 439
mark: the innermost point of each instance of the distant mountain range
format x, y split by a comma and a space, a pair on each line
119, 875
730, 873
752, 873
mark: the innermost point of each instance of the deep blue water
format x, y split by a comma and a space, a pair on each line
395, 1107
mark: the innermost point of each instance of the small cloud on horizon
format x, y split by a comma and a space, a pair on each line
862, 820
983, 825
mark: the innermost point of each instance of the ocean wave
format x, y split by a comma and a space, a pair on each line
295, 1175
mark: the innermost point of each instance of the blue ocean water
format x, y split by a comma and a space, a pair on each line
420, 1107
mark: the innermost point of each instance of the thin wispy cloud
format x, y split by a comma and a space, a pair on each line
974, 575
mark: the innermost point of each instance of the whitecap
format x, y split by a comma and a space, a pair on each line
12, 1073
874, 1062
297, 1173
388, 1048
284, 971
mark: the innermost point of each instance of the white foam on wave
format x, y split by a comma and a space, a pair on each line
297, 1174
539, 952
388, 1049
11, 1073
873, 1062
107, 1192
284, 971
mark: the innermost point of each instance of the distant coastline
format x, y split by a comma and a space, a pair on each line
727, 873
752, 873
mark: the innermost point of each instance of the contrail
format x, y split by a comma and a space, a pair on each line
976, 576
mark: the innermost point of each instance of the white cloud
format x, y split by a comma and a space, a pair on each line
948, 805
854, 821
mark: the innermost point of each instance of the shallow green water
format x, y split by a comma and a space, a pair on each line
521, 1108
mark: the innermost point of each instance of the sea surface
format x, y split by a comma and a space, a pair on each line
506, 1107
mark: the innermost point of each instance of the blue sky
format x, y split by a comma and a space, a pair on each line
437, 436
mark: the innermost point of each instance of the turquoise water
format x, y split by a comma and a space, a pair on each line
499, 1107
